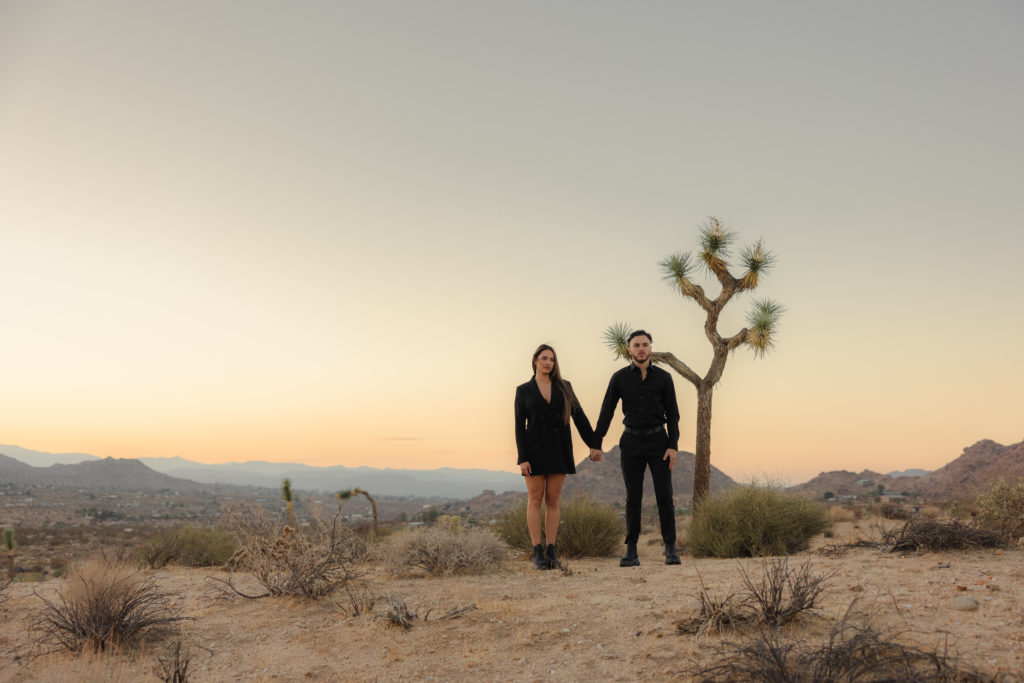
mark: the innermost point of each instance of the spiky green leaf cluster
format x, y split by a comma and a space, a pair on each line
763, 319
286, 490
678, 266
343, 495
9, 538
715, 238
615, 338
757, 259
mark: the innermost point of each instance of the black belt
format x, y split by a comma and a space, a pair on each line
644, 432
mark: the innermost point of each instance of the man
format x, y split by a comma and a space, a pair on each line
648, 407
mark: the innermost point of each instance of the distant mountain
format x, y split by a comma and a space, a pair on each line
445, 482
603, 480
108, 473
41, 459
907, 473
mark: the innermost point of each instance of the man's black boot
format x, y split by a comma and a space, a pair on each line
671, 556
551, 557
630, 560
539, 561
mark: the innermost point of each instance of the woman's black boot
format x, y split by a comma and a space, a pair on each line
539, 561
551, 557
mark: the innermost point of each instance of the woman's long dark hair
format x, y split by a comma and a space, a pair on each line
556, 377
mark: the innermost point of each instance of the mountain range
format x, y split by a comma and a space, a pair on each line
445, 482
964, 477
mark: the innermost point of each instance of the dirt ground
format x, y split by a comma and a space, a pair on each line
595, 622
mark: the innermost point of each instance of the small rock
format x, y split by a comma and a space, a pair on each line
964, 603
857, 589
564, 630
961, 588
942, 565
992, 587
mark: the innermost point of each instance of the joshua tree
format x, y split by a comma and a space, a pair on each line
9, 545
286, 493
345, 495
763, 318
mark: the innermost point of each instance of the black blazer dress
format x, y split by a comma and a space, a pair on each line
542, 437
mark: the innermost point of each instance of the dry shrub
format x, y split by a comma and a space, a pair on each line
928, 534
443, 549
893, 511
1001, 509
776, 599
931, 511
586, 528
848, 653
189, 546
841, 514
311, 563
104, 605
753, 521
174, 666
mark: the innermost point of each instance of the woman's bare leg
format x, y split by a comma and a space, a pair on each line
552, 495
535, 495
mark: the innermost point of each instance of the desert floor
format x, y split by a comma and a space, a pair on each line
597, 621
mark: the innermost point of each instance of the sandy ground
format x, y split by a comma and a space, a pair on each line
598, 621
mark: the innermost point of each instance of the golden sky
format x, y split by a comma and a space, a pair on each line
334, 233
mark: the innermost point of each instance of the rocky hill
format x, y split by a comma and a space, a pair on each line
846, 483
963, 478
974, 471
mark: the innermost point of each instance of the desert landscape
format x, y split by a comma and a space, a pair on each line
594, 620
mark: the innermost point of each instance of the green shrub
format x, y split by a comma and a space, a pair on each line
589, 529
189, 546
751, 521
586, 528
1001, 509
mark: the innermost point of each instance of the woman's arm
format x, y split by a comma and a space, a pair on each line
521, 416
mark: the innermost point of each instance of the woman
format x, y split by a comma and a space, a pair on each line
544, 406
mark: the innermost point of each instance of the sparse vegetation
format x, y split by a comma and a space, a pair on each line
345, 495
1001, 509
753, 521
848, 653
841, 514
776, 599
104, 605
443, 549
289, 501
189, 546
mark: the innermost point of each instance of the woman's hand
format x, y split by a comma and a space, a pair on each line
525, 467
595, 454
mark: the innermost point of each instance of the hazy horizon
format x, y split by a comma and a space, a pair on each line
336, 232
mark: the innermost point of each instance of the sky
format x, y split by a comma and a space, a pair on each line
335, 232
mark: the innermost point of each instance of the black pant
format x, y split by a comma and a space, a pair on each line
639, 453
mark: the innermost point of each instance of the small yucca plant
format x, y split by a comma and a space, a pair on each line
289, 504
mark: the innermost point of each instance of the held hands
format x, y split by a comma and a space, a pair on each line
595, 454
525, 467
670, 455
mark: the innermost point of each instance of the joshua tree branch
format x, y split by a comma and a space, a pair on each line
737, 339
679, 366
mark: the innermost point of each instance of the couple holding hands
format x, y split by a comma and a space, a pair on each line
544, 407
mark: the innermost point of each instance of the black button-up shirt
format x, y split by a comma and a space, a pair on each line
646, 403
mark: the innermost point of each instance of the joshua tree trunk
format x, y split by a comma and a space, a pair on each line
702, 463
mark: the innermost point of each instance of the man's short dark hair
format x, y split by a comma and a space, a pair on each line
638, 333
